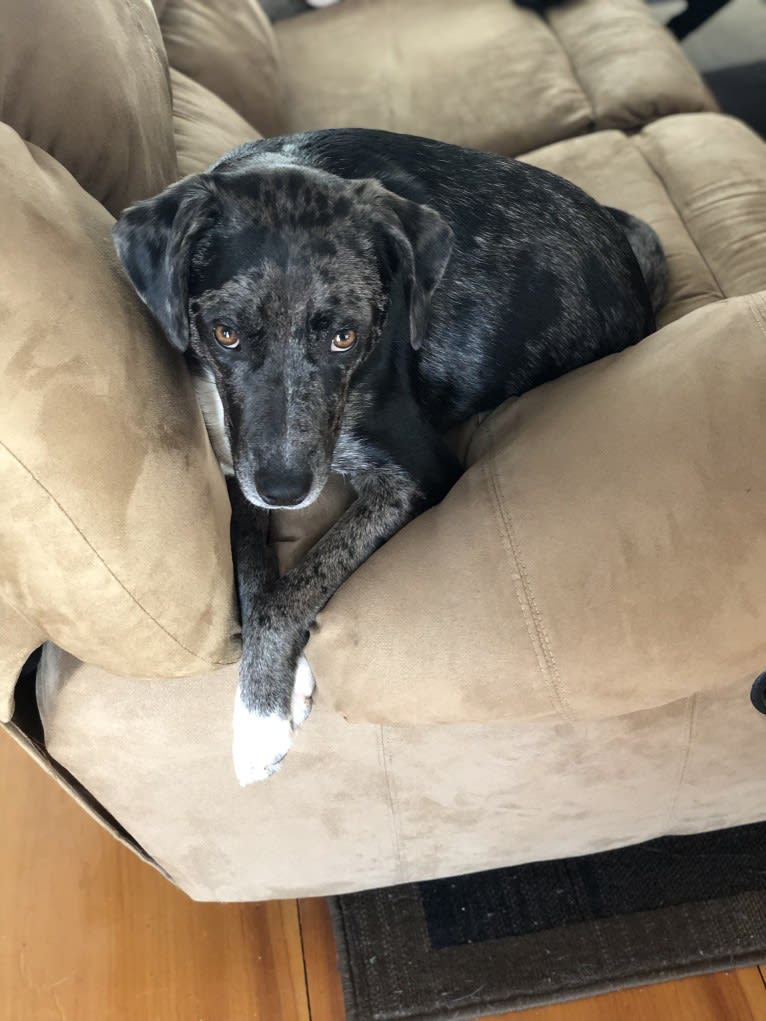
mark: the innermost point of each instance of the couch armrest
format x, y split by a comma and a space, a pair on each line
114, 536
603, 553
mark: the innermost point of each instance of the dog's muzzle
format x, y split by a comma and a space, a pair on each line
283, 489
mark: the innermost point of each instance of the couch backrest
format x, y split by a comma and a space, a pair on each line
88, 83
229, 47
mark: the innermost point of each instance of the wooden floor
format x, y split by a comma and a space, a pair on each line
90, 933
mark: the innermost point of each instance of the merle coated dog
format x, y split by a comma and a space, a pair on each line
343, 298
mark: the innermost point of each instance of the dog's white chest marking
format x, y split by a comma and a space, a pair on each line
212, 411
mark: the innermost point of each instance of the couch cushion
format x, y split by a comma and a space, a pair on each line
603, 553
714, 171
630, 68
483, 73
458, 70
87, 82
230, 48
205, 127
114, 534
700, 180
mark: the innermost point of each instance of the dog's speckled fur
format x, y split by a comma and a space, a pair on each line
466, 277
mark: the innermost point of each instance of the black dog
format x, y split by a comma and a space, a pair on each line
344, 297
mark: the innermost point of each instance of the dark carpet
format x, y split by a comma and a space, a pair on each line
455, 949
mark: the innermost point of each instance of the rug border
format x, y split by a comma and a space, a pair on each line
475, 1011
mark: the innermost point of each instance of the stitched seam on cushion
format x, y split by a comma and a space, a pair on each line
754, 303
393, 807
531, 615
681, 217
573, 69
691, 726
110, 572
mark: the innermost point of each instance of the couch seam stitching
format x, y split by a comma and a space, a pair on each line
721, 292
691, 727
530, 613
393, 805
757, 313
110, 572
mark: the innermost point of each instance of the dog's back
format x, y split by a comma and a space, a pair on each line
541, 278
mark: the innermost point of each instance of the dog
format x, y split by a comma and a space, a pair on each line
343, 297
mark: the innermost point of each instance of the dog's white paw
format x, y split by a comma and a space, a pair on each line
259, 744
300, 704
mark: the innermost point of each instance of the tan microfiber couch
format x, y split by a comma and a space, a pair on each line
555, 660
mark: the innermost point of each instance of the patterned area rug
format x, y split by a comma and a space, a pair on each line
455, 949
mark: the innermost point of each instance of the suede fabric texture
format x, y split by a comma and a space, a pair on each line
586, 564
627, 64
360, 806
524, 80
229, 47
115, 138
114, 535
393, 64
700, 180
204, 126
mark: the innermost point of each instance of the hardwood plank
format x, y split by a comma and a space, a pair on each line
90, 932
322, 979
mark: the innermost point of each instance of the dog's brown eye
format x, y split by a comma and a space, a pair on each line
226, 337
343, 340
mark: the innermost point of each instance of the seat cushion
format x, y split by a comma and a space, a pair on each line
483, 73
204, 126
88, 83
114, 536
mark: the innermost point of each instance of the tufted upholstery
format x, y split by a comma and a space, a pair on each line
524, 80
580, 616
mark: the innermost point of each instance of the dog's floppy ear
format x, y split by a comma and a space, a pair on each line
422, 245
154, 241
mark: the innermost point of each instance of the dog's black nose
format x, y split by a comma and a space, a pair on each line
283, 489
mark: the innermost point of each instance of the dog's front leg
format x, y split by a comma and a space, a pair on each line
256, 571
255, 565
277, 627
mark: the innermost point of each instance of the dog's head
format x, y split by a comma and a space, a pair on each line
280, 280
